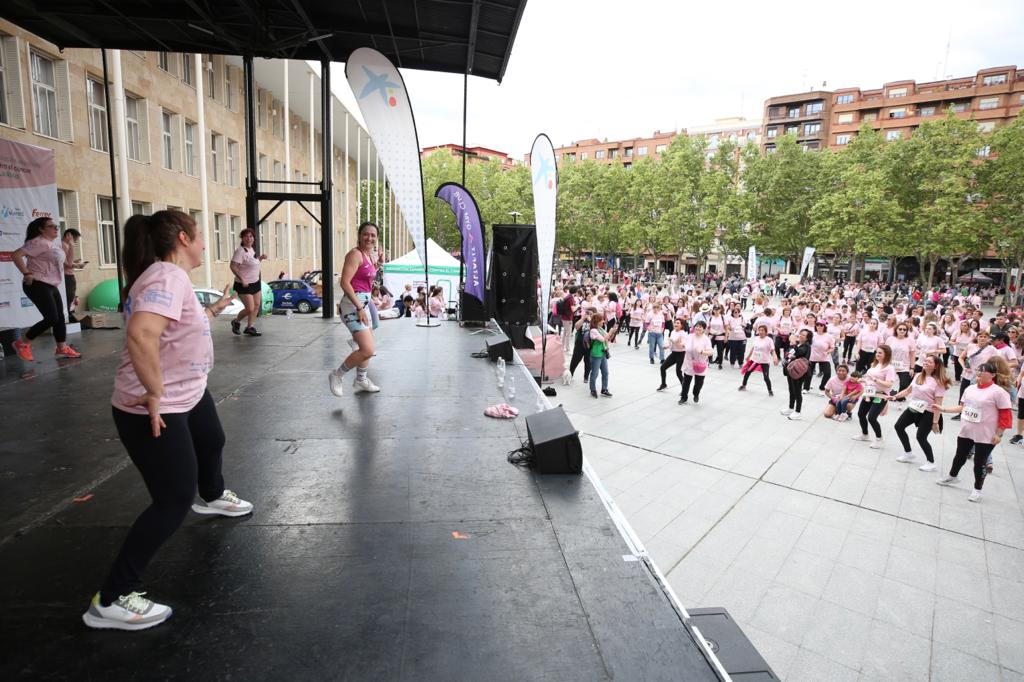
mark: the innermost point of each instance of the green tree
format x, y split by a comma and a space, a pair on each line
1001, 186
647, 225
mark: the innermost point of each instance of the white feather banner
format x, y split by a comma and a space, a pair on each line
545, 199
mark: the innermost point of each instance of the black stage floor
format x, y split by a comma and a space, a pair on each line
391, 540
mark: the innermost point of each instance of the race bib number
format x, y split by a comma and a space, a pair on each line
918, 405
870, 391
760, 358
900, 365
971, 414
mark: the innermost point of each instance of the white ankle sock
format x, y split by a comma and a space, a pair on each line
360, 374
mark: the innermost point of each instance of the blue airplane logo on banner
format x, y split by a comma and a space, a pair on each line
542, 172
379, 83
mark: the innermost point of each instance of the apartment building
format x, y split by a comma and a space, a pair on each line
184, 120
616, 151
736, 129
991, 96
806, 115
473, 154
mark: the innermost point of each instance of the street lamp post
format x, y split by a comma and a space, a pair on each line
515, 216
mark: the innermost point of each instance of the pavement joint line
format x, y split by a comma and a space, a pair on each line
760, 479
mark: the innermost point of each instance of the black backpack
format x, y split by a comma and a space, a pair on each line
562, 308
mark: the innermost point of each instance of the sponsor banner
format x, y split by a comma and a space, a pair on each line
467, 216
808, 259
545, 198
28, 190
752, 263
384, 103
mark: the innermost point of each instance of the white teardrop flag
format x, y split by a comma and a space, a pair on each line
545, 198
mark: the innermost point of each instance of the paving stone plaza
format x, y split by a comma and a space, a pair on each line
839, 562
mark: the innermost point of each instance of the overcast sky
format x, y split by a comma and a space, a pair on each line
594, 68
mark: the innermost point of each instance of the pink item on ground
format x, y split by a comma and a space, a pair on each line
502, 411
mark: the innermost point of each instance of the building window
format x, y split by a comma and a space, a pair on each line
869, 116
219, 236
897, 92
105, 228
629, 152
984, 151
641, 151
215, 153
842, 139
44, 95
958, 107
167, 139
263, 167
792, 130
844, 99
261, 111
893, 135
190, 148
660, 149
142, 208
187, 74
277, 173
211, 82
135, 123
898, 113
812, 128
5, 117
770, 149
815, 107
996, 79
926, 111
794, 112
163, 61
613, 153
279, 240
583, 156
236, 229
229, 91
773, 132
845, 118
95, 93
232, 163
599, 154
986, 126
988, 103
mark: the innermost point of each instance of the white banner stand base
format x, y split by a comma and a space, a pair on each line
428, 322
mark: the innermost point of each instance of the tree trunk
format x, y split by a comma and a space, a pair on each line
921, 267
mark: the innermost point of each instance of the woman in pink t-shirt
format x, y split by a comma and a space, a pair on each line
985, 409
929, 343
822, 347
760, 356
695, 364
868, 341
40, 260
928, 389
245, 265
677, 351
903, 349
878, 381
164, 414
357, 309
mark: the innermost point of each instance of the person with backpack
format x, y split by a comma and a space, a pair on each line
565, 308
598, 340
797, 365
581, 348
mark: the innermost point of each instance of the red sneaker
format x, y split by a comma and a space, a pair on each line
67, 352
24, 350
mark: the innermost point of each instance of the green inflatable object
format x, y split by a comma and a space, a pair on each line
267, 301
104, 296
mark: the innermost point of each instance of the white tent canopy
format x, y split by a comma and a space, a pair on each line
444, 271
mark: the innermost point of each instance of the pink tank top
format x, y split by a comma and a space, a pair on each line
362, 281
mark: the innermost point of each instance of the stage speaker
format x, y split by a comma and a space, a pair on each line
554, 442
471, 309
499, 346
514, 272
516, 332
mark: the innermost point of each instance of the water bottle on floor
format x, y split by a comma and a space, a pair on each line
511, 387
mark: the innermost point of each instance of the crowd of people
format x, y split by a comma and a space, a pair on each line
868, 350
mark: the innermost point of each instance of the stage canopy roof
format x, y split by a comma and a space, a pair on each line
456, 36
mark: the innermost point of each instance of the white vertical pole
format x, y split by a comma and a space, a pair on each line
288, 173
119, 130
312, 162
359, 173
204, 191
348, 192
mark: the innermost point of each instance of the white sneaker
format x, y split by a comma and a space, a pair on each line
927, 466
228, 504
365, 386
786, 412
860, 436
906, 458
947, 480
795, 417
975, 496
130, 612
876, 444
334, 379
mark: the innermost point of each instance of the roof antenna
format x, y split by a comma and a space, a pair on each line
945, 62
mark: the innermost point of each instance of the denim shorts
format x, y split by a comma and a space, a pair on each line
350, 316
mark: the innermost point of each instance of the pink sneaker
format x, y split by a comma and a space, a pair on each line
24, 350
67, 352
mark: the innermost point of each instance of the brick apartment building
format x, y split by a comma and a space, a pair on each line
617, 151
807, 115
473, 154
55, 99
992, 97
735, 129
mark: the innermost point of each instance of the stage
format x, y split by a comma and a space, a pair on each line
390, 540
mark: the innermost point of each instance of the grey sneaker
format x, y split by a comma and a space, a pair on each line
228, 504
130, 612
334, 380
947, 480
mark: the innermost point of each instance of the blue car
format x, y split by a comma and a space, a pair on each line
294, 294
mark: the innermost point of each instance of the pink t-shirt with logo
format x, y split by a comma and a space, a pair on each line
821, 347
761, 350
677, 340
929, 344
186, 347
655, 322
985, 403
976, 357
249, 265
869, 340
697, 351
45, 260
902, 353
931, 392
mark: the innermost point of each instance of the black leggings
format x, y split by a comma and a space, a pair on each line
47, 299
826, 374
187, 455
781, 345
868, 413
580, 352
719, 345
848, 343
964, 385
676, 358
634, 332
864, 360
698, 383
958, 369
796, 398
736, 352
764, 373
923, 420
981, 453
904, 378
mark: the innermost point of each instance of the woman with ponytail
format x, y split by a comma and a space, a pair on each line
164, 414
